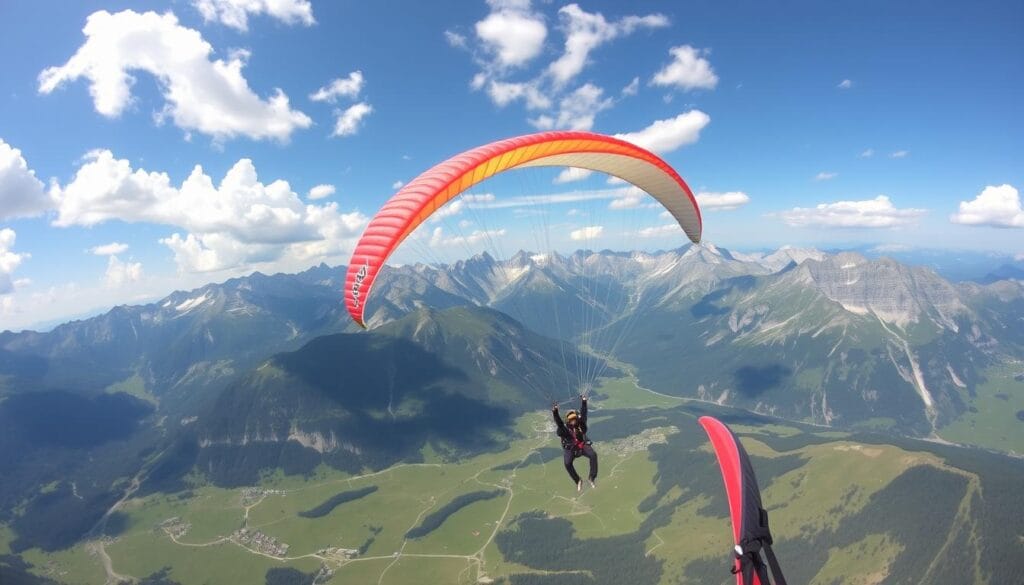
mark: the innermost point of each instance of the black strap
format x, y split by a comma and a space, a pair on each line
752, 564
773, 562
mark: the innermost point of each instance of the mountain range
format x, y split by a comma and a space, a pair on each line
235, 380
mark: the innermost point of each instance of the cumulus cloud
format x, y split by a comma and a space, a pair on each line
512, 33
504, 93
542, 122
631, 201
235, 13
727, 201
585, 31
320, 192
664, 136
872, 213
867, 153
348, 87
688, 70
995, 206
899, 154
587, 233
349, 121
577, 110
111, 249
451, 209
21, 193
397, 185
9, 260
845, 84
825, 175
237, 222
571, 174
202, 95
121, 273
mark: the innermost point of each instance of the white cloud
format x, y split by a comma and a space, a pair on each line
573, 212
512, 33
348, 121
397, 185
585, 31
213, 252
202, 95
571, 174
662, 136
825, 175
665, 136
845, 84
688, 70
867, 153
995, 206
478, 197
900, 154
451, 209
503, 93
320, 192
587, 233
633, 88
454, 39
111, 249
660, 231
542, 122
9, 260
438, 239
628, 202
577, 110
348, 87
235, 13
722, 201
872, 213
238, 222
121, 273
21, 193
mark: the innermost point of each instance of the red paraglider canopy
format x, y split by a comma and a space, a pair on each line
749, 520
427, 193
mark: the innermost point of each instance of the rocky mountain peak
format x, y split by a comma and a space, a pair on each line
893, 292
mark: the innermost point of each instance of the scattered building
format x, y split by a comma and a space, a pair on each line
260, 542
253, 495
175, 527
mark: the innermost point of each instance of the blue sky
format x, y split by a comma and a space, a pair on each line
807, 124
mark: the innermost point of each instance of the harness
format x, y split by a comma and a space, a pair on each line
577, 441
748, 553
